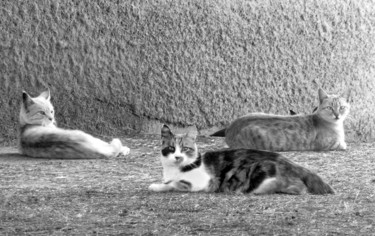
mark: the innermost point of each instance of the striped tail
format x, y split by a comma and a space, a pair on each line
220, 133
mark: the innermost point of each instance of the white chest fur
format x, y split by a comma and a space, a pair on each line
198, 177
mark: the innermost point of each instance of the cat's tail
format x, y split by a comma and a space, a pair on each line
315, 184
220, 133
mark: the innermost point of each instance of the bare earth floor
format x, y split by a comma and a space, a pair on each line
110, 197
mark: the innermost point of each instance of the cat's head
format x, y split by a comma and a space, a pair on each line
333, 108
178, 150
38, 110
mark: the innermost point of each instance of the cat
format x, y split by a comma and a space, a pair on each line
319, 131
230, 170
41, 138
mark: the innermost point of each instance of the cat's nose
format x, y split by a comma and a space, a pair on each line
178, 158
336, 115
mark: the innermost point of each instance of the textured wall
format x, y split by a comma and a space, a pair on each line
118, 67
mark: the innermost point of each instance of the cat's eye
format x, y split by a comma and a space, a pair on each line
342, 108
42, 113
328, 108
171, 149
186, 149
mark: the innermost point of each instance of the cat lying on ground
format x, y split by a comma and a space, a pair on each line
40, 137
322, 130
231, 170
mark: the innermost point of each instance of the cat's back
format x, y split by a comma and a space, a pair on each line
226, 159
271, 132
240, 170
262, 119
37, 135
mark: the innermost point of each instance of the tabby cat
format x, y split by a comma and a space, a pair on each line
231, 170
321, 130
40, 137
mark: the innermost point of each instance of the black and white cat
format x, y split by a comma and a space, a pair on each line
231, 170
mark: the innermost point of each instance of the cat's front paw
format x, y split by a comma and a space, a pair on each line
158, 188
154, 187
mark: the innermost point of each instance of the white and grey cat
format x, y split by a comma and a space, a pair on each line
231, 170
322, 130
41, 138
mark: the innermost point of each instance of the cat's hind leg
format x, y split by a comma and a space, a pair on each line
342, 146
292, 186
120, 150
125, 150
268, 186
275, 185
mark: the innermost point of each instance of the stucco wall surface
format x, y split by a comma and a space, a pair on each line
120, 67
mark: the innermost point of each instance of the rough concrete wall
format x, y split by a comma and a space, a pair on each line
117, 67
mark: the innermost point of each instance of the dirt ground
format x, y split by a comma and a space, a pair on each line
110, 197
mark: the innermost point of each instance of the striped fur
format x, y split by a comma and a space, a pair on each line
231, 170
322, 130
41, 138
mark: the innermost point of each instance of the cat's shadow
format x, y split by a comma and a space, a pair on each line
14, 155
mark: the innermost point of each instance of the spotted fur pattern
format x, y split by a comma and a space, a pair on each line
321, 130
231, 170
41, 138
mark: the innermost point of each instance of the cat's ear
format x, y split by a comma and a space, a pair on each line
26, 100
46, 95
191, 134
166, 132
322, 95
347, 95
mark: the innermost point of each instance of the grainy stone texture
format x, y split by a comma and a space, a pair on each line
120, 67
